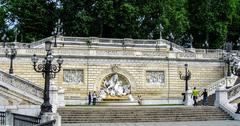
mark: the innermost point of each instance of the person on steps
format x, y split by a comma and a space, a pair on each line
205, 97
94, 95
195, 95
89, 98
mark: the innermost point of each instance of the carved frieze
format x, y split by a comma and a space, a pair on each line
155, 77
73, 76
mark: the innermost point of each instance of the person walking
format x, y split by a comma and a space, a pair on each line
94, 95
195, 95
205, 97
139, 99
89, 98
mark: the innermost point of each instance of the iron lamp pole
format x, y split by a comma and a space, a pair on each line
57, 31
49, 71
228, 59
185, 77
11, 54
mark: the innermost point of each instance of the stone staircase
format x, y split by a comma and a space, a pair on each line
224, 82
15, 89
211, 99
119, 114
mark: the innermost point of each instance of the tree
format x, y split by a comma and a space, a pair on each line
209, 20
234, 26
172, 14
33, 19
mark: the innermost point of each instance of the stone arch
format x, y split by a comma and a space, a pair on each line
110, 71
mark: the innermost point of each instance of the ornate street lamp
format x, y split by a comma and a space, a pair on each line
228, 57
49, 71
57, 31
235, 69
4, 38
185, 77
160, 30
11, 54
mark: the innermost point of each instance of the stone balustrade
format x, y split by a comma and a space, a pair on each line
233, 92
225, 96
21, 84
119, 53
222, 83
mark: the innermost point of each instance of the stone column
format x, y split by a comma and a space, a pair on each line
188, 98
221, 96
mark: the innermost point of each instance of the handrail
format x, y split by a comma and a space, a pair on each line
39, 42
233, 91
21, 83
219, 83
174, 45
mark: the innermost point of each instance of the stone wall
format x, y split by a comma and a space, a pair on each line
94, 64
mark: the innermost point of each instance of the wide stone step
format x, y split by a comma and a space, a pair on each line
143, 120
146, 118
140, 114
143, 114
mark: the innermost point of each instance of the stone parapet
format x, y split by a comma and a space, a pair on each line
119, 53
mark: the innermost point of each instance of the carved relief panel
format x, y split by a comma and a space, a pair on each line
155, 77
72, 76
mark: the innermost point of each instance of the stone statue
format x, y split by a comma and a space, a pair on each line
114, 87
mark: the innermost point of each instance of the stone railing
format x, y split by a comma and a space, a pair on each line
218, 84
21, 84
174, 45
40, 42
120, 42
224, 98
30, 45
117, 53
234, 92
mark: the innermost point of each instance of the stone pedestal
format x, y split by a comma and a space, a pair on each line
61, 101
188, 98
49, 116
53, 94
9, 118
221, 97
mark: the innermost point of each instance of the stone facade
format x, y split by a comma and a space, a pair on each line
152, 73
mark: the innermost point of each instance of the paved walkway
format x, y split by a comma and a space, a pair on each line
189, 123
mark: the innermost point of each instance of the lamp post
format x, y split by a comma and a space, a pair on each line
235, 69
228, 57
11, 55
185, 77
4, 38
57, 31
160, 30
49, 71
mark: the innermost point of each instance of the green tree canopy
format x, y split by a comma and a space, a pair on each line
33, 19
215, 21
